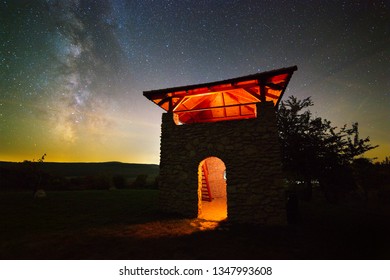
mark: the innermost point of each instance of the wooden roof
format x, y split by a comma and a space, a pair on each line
230, 99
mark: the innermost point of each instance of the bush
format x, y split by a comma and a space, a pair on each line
119, 181
140, 181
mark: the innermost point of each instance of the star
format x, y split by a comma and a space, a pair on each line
72, 73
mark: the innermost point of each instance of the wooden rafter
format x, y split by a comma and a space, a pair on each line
240, 82
234, 96
224, 104
262, 92
178, 103
275, 86
194, 104
239, 94
284, 89
190, 115
243, 94
252, 93
238, 117
272, 95
216, 107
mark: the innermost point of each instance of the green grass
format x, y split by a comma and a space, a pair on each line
126, 224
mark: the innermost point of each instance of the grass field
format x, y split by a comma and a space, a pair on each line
126, 224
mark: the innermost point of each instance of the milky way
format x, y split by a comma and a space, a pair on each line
72, 72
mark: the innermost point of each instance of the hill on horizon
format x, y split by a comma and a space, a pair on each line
77, 169
76, 176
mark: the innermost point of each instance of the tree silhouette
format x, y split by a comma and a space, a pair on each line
35, 172
313, 149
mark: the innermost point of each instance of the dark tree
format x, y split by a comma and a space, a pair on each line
34, 174
140, 181
313, 149
119, 181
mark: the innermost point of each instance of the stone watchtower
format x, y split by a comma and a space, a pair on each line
220, 155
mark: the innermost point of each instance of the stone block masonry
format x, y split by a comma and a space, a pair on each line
250, 150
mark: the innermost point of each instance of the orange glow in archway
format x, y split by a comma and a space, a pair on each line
212, 195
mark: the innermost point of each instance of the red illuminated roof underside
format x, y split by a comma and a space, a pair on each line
224, 100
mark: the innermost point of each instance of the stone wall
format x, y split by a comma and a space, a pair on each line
251, 153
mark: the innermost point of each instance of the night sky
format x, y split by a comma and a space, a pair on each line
72, 73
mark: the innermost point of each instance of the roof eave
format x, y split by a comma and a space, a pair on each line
162, 92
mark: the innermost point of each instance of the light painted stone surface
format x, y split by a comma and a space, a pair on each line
251, 153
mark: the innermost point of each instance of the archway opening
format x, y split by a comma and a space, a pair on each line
212, 194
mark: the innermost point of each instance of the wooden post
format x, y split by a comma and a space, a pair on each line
262, 90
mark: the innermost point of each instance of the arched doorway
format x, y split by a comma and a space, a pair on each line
212, 195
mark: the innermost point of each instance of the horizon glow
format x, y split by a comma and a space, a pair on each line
72, 73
